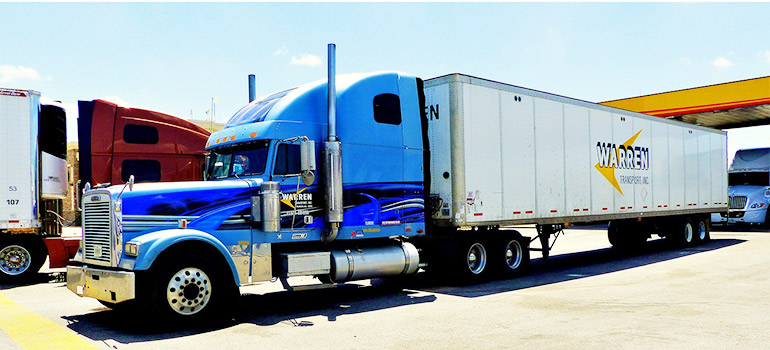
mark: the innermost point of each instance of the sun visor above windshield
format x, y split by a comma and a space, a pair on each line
256, 111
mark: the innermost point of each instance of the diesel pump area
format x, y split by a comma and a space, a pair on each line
722, 106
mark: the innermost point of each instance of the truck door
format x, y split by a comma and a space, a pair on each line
301, 205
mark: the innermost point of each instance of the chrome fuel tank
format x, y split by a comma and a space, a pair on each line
350, 265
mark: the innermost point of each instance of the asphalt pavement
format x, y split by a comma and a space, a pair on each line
586, 296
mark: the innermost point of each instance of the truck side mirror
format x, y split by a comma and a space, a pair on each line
129, 184
307, 161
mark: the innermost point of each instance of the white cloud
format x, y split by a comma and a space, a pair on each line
306, 60
9, 73
722, 62
767, 56
283, 51
686, 61
117, 100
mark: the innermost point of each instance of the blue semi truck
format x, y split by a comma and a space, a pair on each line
413, 174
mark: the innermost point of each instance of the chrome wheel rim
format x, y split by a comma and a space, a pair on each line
188, 291
14, 260
688, 234
513, 254
702, 230
476, 258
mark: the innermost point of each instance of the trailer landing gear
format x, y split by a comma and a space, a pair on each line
544, 232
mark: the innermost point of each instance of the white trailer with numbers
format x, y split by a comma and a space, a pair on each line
502, 154
33, 183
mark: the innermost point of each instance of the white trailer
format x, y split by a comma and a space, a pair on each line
33, 182
502, 154
18, 155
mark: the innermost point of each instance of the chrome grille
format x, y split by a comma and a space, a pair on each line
96, 231
737, 202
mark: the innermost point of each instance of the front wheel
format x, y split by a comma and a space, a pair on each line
188, 287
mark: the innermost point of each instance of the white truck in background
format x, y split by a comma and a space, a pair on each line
33, 184
749, 191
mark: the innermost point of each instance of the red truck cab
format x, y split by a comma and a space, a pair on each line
117, 142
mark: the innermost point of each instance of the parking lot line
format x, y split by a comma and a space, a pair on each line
34, 332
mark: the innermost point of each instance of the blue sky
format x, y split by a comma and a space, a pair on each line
175, 57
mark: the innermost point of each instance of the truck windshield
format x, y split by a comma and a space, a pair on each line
761, 178
238, 161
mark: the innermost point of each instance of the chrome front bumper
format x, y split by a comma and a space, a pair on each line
105, 285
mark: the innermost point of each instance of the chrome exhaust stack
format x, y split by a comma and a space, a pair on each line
252, 87
332, 156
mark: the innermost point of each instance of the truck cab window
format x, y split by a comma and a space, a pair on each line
140, 134
287, 160
144, 170
237, 162
387, 109
759, 178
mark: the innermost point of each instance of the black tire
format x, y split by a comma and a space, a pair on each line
702, 230
21, 257
471, 260
684, 232
438, 254
510, 254
615, 235
188, 287
626, 236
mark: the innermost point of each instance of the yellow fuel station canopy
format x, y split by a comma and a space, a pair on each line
722, 106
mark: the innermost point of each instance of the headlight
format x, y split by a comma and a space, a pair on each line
767, 194
757, 205
132, 249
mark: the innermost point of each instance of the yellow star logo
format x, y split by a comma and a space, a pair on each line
609, 172
288, 201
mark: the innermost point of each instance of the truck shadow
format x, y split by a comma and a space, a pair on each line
287, 308
739, 228
41, 277
348, 299
294, 309
567, 267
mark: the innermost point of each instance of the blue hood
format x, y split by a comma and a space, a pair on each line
190, 198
